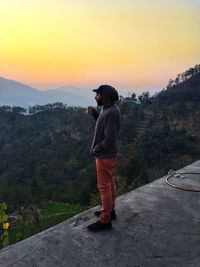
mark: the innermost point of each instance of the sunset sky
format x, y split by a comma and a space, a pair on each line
131, 44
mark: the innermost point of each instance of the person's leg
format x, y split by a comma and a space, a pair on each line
113, 190
105, 177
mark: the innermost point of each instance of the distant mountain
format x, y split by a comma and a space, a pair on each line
14, 93
76, 90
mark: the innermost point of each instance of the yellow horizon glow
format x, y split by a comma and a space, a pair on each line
86, 42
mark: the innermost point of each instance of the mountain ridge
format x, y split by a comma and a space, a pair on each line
14, 93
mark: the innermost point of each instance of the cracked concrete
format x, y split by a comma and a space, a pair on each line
156, 225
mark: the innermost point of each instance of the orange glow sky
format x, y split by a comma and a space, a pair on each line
131, 44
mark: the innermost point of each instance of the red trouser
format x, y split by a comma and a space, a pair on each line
106, 185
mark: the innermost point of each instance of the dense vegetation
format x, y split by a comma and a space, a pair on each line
44, 152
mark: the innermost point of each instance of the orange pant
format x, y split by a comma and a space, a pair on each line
106, 185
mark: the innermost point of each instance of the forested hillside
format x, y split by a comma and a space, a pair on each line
44, 155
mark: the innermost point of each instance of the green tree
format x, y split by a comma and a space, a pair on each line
144, 98
17, 109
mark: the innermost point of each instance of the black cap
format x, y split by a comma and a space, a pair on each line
96, 90
104, 87
99, 89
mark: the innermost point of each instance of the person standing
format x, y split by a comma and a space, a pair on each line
104, 149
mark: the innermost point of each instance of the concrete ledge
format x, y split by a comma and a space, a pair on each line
157, 225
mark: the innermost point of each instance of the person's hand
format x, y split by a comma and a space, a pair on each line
96, 149
90, 110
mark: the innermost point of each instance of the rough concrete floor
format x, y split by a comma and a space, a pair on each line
157, 225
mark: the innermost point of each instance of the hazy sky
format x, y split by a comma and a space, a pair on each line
131, 44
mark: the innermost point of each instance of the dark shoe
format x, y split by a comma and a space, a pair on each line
113, 214
98, 226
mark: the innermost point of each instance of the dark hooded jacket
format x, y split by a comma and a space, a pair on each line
107, 126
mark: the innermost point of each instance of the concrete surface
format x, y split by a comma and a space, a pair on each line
157, 225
